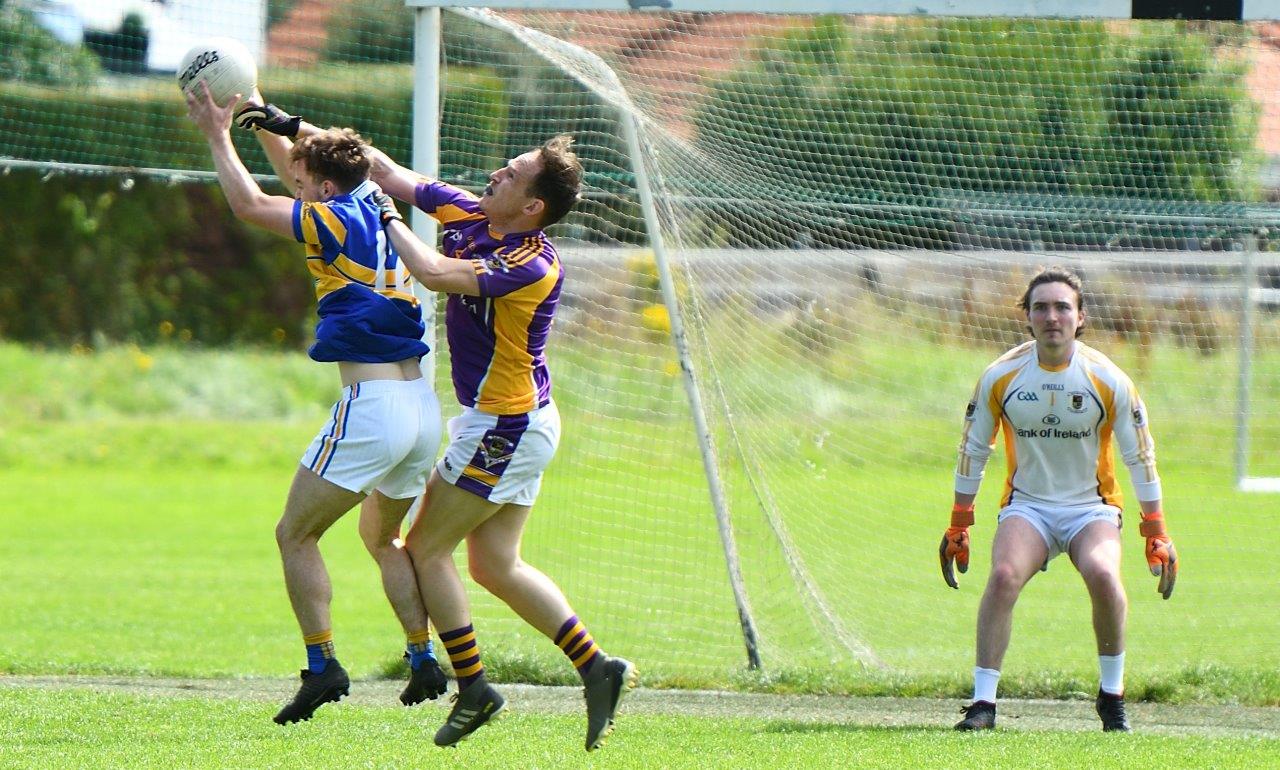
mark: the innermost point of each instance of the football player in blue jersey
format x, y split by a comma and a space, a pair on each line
381, 440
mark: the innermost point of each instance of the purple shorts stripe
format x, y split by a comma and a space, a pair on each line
498, 445
474, 486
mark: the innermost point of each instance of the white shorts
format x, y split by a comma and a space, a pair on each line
1058, 525
501, 457
383, 435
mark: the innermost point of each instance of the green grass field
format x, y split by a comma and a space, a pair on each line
228, 725
139, 489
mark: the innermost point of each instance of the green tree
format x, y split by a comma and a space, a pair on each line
29, 53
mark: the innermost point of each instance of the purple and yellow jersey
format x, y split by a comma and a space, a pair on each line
498, 340
367, 310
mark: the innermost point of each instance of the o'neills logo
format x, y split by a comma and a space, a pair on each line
201, 61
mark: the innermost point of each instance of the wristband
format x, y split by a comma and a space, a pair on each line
962, 516
1152, 524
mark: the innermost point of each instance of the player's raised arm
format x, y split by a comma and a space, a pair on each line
247, 200
275, 130
395, 180
429, 267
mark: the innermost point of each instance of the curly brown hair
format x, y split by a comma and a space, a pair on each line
559, 183
336, 154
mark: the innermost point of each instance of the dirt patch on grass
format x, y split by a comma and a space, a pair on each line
799, 712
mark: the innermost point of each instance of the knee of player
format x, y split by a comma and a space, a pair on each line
1103, 578
489, 572
378, 542
1006, 578
289, 535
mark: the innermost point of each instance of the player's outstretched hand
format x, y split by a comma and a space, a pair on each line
209, 116
269, 117
953, 553
387, 209
1162, 557
954, 550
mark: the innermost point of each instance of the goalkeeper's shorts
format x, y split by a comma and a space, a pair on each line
383, 435
501, 457
1059, 524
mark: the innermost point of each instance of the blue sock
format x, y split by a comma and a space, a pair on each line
420, 653
319, 651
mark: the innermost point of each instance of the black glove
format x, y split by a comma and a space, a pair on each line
386, 208
269, 117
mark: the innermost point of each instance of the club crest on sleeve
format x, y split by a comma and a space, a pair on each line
1139, 416
970, 410
496, 449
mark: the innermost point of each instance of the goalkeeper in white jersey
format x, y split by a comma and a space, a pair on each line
1059, 404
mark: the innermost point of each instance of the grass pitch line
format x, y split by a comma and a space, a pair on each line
791, 713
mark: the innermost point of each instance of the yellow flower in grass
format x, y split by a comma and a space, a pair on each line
656, 319
141, 360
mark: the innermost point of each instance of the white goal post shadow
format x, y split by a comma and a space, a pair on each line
426, 148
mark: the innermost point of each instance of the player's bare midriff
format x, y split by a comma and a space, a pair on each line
358, 371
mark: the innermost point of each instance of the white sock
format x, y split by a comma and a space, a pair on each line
1112, 667
984, 683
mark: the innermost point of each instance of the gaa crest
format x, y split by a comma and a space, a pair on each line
970, 410
496, 449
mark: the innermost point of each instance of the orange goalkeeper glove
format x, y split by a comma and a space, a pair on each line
954, 549
1162, 558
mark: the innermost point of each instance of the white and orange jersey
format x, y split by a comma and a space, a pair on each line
1058, 423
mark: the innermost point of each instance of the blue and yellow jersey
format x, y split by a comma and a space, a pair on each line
1058, 425
498, 340
367, 310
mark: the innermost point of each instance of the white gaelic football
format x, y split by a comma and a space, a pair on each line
225, 64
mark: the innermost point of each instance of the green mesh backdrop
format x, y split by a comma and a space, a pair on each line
851, 206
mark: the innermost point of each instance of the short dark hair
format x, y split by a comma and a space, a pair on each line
1055, 274
559, 184
336, 154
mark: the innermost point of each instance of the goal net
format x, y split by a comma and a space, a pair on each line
849, 208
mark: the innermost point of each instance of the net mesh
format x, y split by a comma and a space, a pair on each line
851, 207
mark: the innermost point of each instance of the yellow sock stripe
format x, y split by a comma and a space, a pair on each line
465, 639
564, 641
587, 641
471, 670
582, 653
419, 637
319, 637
